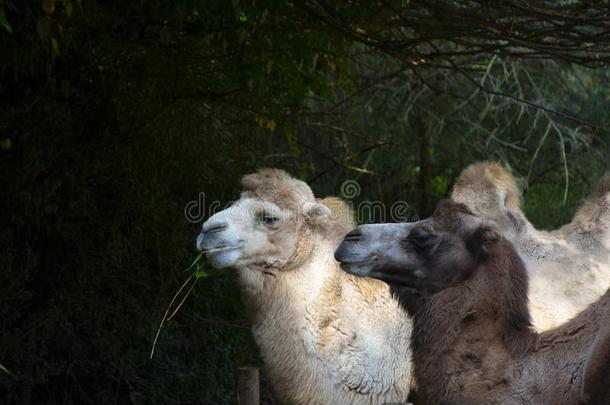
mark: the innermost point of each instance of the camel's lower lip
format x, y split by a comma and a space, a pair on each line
364, 262
223, 256
219, 249
360, 268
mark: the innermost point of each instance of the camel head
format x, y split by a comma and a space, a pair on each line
428, 255
491, 192
268, 227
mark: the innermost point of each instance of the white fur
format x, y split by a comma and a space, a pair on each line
322, 348
564, 279
328, 346
325, 337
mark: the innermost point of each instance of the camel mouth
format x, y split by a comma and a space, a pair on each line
358, 262
220, 249
360, 268
223, 256
353, 250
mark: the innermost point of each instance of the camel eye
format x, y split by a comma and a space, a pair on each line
422, 236
267, 219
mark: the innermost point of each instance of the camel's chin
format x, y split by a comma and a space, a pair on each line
361, 269
223, 259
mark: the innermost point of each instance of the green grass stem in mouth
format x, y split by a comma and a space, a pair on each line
198, 271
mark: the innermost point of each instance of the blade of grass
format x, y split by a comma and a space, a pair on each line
152, 351
183, 299
196, 261
5, 369
197, 272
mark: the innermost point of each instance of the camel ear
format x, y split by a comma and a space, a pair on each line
316, 210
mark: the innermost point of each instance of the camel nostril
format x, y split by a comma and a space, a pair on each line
353, 236
215, 228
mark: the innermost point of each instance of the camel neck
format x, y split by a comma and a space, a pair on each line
472, 327
292, 284
457, 343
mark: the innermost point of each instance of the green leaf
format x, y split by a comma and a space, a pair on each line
5, 144
68, 7
48, 6
5, 369
4, 22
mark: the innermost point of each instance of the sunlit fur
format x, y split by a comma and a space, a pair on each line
569, 268
325, 337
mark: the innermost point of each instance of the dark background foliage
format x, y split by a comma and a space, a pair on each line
115, 115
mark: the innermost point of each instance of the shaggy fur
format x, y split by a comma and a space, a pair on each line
326, 337
472, 341
276, 186
568, 268
488, 189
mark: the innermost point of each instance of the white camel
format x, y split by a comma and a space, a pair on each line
326, 337
569, 268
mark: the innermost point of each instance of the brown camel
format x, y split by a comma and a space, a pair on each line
472, 340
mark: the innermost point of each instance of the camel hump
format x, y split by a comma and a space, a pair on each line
594, 214
596, 380
491, 178
489, 190
340, 220
339, 209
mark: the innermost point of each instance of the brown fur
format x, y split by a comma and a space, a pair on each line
473, 342
596, 386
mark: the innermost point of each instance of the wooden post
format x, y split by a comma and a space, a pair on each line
248, 389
